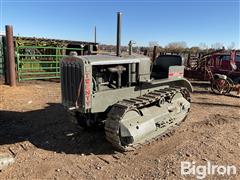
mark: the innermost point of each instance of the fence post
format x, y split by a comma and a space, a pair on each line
154, 53
10, 56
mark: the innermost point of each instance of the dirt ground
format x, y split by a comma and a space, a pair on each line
47, 143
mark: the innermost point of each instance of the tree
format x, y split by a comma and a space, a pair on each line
217, 45
194, 49
203, 46
176, 46
153, 43
231, 46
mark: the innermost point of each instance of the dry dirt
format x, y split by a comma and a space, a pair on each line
47, 144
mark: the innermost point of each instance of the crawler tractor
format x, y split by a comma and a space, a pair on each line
136, 99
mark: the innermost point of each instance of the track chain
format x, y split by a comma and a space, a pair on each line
119, 109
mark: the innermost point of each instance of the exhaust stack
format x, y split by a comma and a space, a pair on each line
119, 28
95, 34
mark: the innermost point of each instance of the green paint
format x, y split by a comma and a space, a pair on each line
39, 62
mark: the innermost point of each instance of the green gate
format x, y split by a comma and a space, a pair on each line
40, 62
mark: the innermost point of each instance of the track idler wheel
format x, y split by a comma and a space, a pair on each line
124, 133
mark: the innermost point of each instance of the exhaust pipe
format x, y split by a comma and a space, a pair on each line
119, 27
95, 34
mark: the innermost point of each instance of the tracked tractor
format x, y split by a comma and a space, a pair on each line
136, 99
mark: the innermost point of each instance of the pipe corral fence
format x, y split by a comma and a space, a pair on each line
39, 58
39, 62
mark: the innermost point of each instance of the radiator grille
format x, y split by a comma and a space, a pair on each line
70, 81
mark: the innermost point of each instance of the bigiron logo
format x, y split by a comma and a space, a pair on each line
202, 171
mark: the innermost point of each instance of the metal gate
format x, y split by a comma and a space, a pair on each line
40, 62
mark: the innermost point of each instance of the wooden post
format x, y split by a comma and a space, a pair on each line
154, 53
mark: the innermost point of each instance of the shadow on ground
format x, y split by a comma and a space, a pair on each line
217, 104
203, 84
201, 87
51, 129
202, 92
